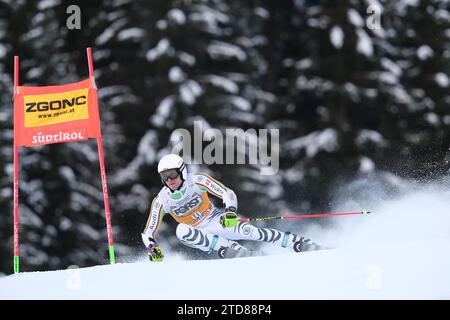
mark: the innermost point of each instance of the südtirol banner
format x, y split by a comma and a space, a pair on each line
56, 114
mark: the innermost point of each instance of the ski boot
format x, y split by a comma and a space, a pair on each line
235, 250
300, 244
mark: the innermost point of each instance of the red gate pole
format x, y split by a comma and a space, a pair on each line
112, 257
16, 175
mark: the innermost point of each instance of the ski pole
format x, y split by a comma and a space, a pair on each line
305, 216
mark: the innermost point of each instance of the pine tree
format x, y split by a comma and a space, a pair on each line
417, 100
346, 107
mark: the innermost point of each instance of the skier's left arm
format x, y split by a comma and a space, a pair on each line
216, 188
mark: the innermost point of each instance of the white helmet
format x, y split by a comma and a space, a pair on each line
172, 161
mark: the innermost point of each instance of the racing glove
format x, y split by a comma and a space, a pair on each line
155, 253
230, 218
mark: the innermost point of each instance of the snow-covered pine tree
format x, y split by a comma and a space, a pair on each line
345, 102
415, 55
322, 56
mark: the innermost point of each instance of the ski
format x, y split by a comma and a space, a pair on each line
228, 253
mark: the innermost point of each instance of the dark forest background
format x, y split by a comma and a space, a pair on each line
349, 100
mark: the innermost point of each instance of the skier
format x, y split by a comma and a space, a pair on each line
201, 225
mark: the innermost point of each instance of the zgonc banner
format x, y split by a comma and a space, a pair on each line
56, 114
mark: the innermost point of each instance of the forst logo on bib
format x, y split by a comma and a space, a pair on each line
188, 206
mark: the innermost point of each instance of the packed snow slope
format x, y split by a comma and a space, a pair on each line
399, 251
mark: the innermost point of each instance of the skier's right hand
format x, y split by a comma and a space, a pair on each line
230, 218
155, 253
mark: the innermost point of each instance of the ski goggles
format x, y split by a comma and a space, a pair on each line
169, 174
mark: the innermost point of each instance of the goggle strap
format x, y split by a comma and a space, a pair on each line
182, 167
